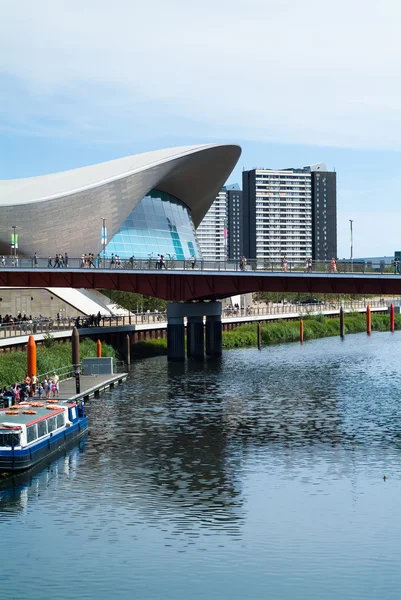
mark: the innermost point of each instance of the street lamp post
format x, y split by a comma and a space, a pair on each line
14, 243
104, 240
351, 245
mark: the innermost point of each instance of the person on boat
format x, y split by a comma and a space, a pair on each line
40, 390
55, 384
27, 385
23, 392
34, 383
46, 386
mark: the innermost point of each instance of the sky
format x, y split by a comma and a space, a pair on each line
292, 82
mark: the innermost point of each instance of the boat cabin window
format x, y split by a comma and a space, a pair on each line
51, 424
60, 420
9, 439
42, 428
31, 433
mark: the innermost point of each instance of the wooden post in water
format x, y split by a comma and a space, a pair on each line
259, 336
128, 350
76, 362
342, 325
368, 320
301, 331
392, 318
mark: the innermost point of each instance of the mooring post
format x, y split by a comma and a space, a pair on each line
128, 350
368, 320
31, 356
259, 336
301, 331
75, 359
99, 349
342, 326
392, 318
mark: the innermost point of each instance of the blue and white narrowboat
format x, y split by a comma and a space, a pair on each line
32, 431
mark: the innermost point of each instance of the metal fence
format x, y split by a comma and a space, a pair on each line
68, 371
171, 263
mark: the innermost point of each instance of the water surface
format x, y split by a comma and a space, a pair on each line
257, 476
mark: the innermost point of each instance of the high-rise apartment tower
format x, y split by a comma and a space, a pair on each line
289, 213
212, 231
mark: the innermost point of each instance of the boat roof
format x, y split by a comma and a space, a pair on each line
41, 412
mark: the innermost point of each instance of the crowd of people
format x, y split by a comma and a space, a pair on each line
31, 387
89, 321
20, 318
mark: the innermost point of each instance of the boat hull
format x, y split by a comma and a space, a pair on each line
25, 458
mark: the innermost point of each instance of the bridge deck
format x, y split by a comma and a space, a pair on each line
203, 284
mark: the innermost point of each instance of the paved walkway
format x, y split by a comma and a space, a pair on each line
91, 385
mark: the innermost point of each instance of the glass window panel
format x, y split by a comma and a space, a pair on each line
160, 224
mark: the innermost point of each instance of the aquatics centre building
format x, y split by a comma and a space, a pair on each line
151, 203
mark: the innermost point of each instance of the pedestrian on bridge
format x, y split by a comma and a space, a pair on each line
396, 266
308, 266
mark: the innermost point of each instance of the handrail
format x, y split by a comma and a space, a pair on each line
171, 263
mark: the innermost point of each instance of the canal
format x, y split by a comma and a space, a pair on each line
272, 474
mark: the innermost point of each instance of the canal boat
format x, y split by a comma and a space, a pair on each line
31, 432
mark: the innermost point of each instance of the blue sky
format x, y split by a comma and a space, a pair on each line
291, 82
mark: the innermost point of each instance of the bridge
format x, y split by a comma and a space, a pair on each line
179, 282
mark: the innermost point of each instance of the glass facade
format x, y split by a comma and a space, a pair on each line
160, 224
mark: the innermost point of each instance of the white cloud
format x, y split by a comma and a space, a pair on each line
305, 71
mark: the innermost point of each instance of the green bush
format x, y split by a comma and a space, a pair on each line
13, 366
149, 348
315, 326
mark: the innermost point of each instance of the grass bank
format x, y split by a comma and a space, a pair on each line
315, 327
13, 366
149, 348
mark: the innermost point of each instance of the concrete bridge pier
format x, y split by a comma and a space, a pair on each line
195, 313
214, 337
175, 338
195, 337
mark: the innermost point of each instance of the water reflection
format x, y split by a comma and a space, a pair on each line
256, 461
16, 492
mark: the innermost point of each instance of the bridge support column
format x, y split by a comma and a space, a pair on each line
214, 339
175, 338
195, 337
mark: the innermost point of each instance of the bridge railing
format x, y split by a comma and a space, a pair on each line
171, 263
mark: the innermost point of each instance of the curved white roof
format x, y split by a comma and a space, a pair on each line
63, 209
46, 187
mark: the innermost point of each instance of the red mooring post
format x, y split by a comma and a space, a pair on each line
368, 320
301, 331
31, 356
99, 349
392, 317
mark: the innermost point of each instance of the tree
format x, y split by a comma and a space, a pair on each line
136, 302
